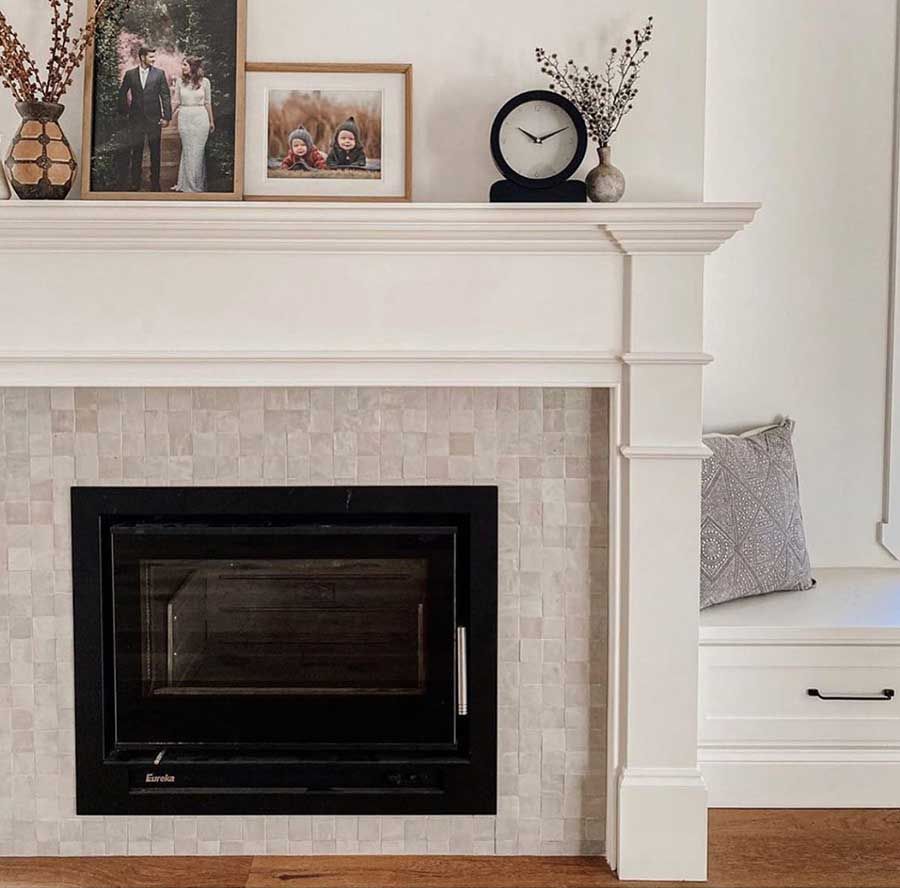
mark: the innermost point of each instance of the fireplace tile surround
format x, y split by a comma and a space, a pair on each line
546, 449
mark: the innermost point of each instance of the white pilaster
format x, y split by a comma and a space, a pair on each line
662, 798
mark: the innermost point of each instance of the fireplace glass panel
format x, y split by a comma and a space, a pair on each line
336, 626
224, 632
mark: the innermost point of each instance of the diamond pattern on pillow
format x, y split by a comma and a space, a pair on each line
751, 536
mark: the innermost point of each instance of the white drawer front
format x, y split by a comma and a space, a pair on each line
758, 694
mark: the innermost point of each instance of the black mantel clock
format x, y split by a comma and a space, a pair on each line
538, 141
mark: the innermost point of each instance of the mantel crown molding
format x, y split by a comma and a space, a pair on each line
369, 228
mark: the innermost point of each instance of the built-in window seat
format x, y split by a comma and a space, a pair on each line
797, 704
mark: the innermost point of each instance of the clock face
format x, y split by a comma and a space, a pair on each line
539, 139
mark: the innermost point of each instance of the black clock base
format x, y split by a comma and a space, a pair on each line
570, 191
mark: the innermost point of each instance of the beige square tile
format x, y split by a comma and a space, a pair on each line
546, 450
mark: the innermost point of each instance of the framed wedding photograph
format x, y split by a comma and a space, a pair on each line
328, 132
164, 102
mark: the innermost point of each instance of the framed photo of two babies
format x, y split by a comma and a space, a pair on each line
328, 132
164, 102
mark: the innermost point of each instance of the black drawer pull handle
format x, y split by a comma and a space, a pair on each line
886, 694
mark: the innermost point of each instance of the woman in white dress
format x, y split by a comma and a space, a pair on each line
195, 124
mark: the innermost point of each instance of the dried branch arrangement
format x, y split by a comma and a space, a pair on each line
19, 72
603, 99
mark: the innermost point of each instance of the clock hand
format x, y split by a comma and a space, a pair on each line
554, 133
534, 139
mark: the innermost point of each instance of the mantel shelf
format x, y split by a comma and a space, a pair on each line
368, 228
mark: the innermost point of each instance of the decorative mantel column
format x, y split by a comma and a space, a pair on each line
662, 799
662, 796
443, 295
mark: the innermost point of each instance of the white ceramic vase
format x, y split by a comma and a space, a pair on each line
605, 183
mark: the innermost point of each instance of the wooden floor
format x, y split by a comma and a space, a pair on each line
748, 849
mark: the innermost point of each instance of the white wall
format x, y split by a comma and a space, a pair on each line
800, 117
469, 57
799, 114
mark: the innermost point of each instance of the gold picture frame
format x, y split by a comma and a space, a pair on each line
88, 190
364, 70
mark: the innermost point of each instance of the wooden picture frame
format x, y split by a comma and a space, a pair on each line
326, 70
89, 192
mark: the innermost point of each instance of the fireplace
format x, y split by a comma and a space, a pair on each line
285, 650
625, 318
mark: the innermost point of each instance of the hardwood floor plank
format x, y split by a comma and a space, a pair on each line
124, 872
850, 848
747, 849
430, 872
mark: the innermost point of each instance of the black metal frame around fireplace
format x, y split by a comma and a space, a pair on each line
407, 571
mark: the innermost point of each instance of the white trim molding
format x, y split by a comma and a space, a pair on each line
637, 359
661, 777
798, 636
668, 806
530, 229
888, 533
671, 451
801, 777
274, 368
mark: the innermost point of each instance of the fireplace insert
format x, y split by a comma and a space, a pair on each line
285, 650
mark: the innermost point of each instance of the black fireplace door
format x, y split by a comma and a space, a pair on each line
330, 637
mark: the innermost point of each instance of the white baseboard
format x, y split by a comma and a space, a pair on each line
802, 778
662, 824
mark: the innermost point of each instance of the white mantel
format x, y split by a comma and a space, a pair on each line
262, 227
467, 293
128, 293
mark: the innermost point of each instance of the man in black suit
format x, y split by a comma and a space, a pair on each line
145, 99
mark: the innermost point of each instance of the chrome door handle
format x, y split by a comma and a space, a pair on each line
462, 686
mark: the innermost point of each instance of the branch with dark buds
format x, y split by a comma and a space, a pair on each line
20, 74
603, 99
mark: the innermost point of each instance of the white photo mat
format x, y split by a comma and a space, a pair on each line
392, 183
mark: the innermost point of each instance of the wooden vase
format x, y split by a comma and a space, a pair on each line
40, 163
5, 193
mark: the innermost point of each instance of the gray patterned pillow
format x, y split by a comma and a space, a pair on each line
751, 538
